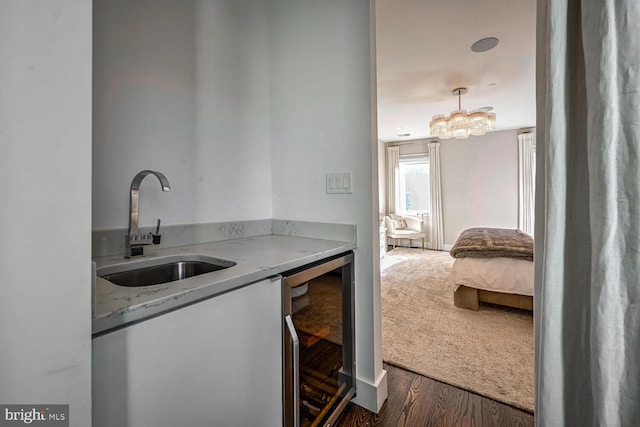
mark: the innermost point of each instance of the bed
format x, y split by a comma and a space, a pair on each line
493, 265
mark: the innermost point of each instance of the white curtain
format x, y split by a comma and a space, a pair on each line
393, 179
526, 176
587, 232
436, 228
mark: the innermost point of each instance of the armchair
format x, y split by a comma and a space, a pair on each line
414, 228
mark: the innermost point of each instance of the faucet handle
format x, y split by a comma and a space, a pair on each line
157, 236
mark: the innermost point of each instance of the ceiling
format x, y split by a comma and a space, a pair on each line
423, 50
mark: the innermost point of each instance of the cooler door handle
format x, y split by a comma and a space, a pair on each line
295, 349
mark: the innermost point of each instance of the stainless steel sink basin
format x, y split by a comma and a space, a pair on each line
161, 270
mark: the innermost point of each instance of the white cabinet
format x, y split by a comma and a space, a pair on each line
214, 363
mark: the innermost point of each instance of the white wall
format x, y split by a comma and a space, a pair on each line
322, 122
183, 88
45, 220
479, 182
244, 105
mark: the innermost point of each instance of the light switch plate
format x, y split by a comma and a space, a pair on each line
339, 183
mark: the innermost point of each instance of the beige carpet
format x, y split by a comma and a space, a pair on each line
489, 352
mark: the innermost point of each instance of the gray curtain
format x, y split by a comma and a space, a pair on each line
436, 227
587, 225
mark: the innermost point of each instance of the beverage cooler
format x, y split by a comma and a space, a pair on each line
319, 361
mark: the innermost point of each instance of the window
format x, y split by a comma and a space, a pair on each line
415, 195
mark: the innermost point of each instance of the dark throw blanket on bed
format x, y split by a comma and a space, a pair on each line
493, 242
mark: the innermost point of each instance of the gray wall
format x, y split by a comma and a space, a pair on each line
45, 219
479, 182
322, 122
183, 88
244, 105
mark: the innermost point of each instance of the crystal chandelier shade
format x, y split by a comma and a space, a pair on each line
460, 124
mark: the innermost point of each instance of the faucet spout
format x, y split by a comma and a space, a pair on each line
132, 238
164, 182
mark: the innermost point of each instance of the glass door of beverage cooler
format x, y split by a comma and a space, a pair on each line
319, 347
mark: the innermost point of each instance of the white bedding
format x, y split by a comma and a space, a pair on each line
508, 275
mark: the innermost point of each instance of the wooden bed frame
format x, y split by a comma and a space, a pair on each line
470, 298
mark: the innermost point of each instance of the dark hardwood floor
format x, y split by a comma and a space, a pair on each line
417, 401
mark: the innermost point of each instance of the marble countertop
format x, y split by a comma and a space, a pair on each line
256, 258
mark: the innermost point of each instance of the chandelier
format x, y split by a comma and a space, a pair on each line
461, 124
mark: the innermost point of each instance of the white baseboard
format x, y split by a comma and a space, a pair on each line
371, 396
447, 247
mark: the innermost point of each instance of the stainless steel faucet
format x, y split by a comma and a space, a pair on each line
133, 241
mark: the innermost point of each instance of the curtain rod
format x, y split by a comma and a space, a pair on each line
413, 141
428, 140
526, 130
